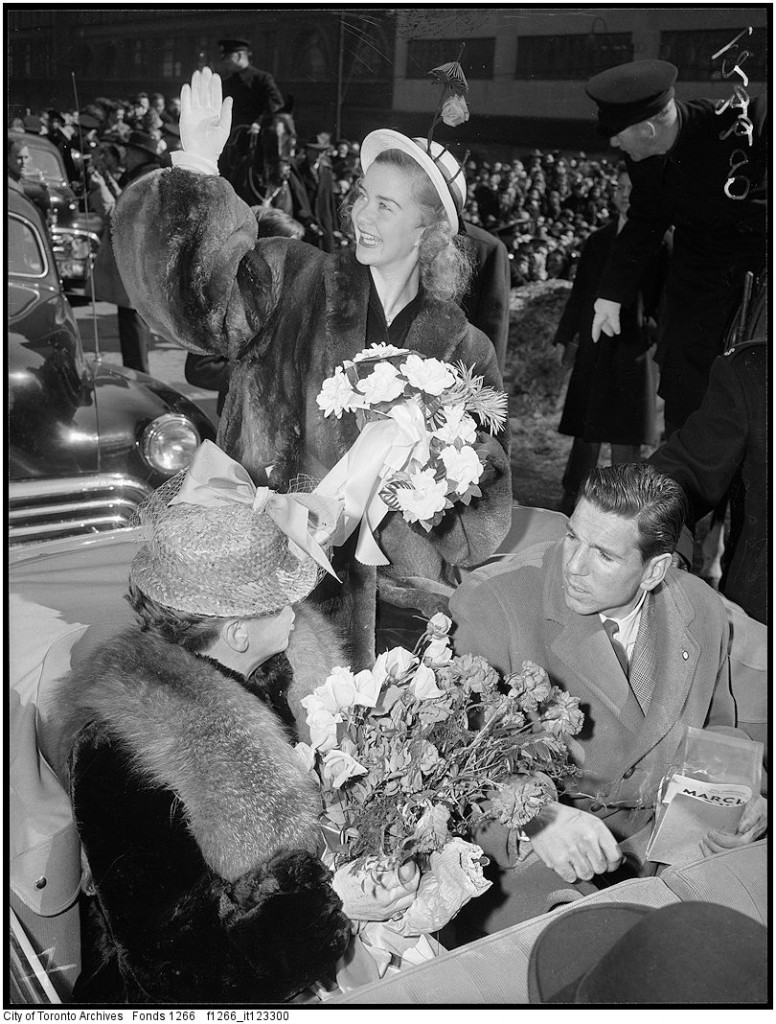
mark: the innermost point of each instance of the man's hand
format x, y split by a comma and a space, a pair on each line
753, 823
205, 120
376, 893
606, 318
574, 843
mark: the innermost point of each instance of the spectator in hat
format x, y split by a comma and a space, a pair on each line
286, 314
315, 171
56, 134
103, 182
117, 129
679, 157
140, 158
172, 111
198, 819
17, 160
254, 92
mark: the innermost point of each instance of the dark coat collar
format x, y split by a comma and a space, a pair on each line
188, 727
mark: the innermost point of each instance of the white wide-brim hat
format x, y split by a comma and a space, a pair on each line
440, 165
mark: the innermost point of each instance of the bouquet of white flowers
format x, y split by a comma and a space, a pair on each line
418, 452
412, 753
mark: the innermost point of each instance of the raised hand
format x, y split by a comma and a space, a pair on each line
206, 119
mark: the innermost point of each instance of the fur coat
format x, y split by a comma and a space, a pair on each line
199, 824
286, 314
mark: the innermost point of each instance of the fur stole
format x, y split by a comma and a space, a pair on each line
192, 729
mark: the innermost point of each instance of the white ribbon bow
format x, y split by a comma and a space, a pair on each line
213, 478
383, 447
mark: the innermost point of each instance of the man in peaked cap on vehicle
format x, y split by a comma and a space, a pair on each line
702, 167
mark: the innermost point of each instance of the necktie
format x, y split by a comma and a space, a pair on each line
611, 628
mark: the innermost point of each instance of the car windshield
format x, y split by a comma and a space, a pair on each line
44, 162
25, 254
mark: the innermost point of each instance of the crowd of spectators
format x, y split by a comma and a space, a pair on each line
543, 207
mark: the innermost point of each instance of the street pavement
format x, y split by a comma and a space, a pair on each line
98, 324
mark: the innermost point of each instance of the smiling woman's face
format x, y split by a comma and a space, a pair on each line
387, 222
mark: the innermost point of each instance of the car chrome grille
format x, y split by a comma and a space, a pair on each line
68, 507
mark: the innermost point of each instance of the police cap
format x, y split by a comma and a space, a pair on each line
630, 93
231, 45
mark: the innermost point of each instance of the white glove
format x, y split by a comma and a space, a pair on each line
205, 123
606, 318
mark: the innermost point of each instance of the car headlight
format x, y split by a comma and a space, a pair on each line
169, 442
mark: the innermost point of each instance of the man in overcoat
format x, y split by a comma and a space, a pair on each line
611, 392
702, 167
728, 433
556, 604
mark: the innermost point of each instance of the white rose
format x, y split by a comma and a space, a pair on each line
338, 767
337, 395
368, 686
458, 425
440, 624
424, 498
339, 690
429, 375
383, 384
438, 652
306, 755
464, 466
424, 685
398, 661
455, 111
321, 722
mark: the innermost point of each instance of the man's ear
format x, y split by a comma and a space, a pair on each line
655, 570
234, 635
649, 129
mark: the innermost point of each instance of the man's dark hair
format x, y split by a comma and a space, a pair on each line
636, 490
194, 633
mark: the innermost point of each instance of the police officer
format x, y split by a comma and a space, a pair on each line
254, 92
704, 171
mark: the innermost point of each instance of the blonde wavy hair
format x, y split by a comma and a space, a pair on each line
445, 267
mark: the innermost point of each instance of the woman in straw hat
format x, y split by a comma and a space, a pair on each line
286, 314
197, 817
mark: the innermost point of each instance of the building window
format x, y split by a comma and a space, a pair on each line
137, 55
692, 53
171, 68
425, 54
112, 59
571, 57
310, 57
86, 61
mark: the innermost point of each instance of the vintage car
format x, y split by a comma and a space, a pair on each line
88, 440
75, 232
66, 596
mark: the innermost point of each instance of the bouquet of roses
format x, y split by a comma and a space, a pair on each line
418, 416
411, 753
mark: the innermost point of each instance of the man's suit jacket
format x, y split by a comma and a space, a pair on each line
514, 610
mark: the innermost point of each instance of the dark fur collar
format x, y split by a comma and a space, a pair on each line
190, 728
